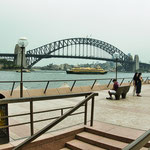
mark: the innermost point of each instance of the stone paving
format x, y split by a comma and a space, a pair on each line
132, 112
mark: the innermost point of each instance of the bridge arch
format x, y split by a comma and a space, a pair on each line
49, 50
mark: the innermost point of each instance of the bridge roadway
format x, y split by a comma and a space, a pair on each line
54, 56
126, 114
143, 66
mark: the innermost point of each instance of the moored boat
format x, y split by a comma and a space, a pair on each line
24, 70
86, 70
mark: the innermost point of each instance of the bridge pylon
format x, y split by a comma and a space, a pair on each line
136, 63
17, 60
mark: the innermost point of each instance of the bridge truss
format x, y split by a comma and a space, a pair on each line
81, 48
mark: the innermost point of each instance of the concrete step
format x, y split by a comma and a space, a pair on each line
100, 141
109, 135
112, 136
79, 145
65, 148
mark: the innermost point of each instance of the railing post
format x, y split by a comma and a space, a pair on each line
31, 118
12, 88
109, 82
85, 114
122, 81
73, 85
93, 84
92, 111
146, 80
62, 112
131, 82
46, 87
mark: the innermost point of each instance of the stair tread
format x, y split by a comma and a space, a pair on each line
101, 139
65, 148
120, 137
107, 134
82, 145
123, 133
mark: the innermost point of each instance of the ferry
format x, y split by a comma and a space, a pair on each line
23, 70
86, 70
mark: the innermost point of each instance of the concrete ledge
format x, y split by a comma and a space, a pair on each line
50, 141
35, 92
16, 94
64, 90
96, 88
76, 90
51, 92
86, 88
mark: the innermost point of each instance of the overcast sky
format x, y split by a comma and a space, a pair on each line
122, 23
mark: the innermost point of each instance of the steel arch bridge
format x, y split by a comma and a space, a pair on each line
81, 48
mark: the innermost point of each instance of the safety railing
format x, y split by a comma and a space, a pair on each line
130, 79
139, 142
62, 115
68, 113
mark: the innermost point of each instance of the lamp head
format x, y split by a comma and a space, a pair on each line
22, 42
116, 55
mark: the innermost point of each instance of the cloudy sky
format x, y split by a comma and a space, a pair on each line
122, 23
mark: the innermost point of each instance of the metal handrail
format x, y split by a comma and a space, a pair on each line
39, 98
74, 82
139, 142
55, 122
62, 80
31, 113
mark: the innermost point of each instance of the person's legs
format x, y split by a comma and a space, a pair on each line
134, 90
138, 90
110, 94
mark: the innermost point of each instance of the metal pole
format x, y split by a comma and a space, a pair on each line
116, 68
92, 112
21, 83
85, 114
31, 118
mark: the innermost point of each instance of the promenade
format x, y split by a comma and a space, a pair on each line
132, 112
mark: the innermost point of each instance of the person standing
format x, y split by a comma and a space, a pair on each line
139, 84
135, 82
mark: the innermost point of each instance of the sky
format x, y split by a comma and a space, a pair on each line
122, 23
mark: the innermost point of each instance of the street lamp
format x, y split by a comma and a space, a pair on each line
22, 43
116, 59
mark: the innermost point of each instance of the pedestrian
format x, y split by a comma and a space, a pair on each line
135, 82
139, 84
114, 89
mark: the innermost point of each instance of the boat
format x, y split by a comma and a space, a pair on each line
86, 70
23, 70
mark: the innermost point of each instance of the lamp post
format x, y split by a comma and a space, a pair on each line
116, 59
22, 43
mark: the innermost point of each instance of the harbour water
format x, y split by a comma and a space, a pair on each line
57, 75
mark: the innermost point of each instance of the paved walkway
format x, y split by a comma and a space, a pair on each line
132, 112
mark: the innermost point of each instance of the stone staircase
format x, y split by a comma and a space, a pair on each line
93, 139
84, 137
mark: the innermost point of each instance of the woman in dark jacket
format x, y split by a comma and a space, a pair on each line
139, 84
135, 82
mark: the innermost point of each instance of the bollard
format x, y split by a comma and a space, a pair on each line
4, 132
